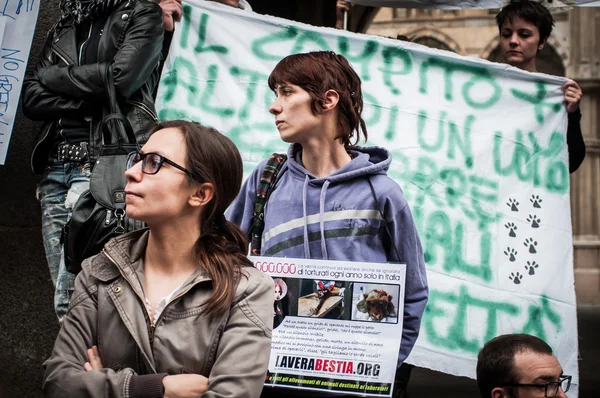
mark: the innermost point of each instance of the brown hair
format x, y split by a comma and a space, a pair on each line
530, 11
495, 362
222, 246
319, 71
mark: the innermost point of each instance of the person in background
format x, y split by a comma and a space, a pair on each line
319, 115
176, 310
66, 90
524, 27
520, 366
341, 7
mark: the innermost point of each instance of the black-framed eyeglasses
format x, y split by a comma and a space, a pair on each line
551, 388
152, 162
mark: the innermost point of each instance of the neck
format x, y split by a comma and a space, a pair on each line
171, 247
323, 159
529, 66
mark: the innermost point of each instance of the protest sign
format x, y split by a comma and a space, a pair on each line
19, 19
337, 324
478, 149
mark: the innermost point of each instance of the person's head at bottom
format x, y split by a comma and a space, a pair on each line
520, 366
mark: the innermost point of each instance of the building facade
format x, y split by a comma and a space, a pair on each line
573, 50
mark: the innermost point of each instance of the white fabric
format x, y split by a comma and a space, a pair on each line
478, 148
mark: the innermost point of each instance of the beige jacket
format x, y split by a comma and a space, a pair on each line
107, 310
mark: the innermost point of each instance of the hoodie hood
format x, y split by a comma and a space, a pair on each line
366, 161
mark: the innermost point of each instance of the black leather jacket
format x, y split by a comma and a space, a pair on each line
60, 88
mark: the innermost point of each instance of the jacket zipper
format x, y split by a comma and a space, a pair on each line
152, 324
128, 281
38, 143
169, 303
61, 57
85, 42
144, 108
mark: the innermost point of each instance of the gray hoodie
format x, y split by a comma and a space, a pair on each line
337, 218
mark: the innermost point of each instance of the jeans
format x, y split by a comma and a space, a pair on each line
61, 186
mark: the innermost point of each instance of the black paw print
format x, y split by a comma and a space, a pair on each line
516, 278
534, 220
536, 200
512, 203
511, 229
532, 244
531, 266
511, 253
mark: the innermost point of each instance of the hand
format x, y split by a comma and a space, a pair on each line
341, 6
185, 386
230, 3
95, 362
172, 10
573, 95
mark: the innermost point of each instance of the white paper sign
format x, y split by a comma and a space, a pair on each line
478, 148
19, 19
336, 325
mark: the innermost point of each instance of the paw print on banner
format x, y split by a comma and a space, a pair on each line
536, 200
531, 266
534, 220
529, 242
512, 203
516, 278
511, 229
511, 253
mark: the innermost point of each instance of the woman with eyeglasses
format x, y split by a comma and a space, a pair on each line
177, 309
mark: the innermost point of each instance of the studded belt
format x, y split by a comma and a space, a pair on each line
72, 152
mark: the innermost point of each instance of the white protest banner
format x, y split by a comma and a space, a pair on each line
20, 18
478, 148
336, 325
464, 4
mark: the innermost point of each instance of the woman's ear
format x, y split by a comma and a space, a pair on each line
542, 44
331, 100
202, 195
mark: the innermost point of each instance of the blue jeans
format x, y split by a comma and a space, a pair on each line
61, 186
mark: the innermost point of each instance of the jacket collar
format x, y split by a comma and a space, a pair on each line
64, 41
125, 255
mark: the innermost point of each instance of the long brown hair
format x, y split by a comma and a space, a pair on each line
222, 246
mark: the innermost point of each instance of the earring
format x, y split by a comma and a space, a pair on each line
540, 48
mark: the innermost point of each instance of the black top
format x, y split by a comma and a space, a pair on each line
88, 35
575, 141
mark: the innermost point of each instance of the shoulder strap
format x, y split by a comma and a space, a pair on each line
122, 132
387, 228
265, 187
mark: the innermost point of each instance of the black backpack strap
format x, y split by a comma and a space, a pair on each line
387, 229
265, 187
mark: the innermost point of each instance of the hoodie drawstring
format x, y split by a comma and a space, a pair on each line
306, 242
322, 219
